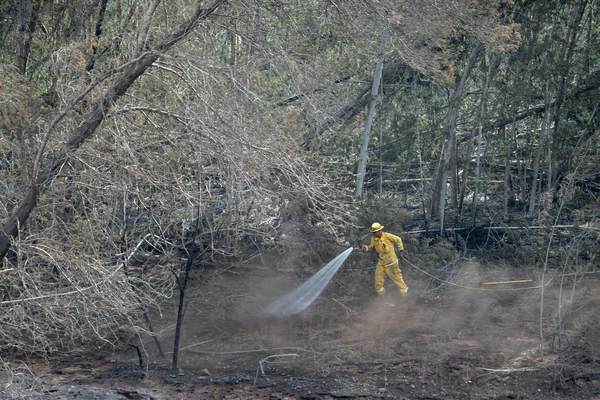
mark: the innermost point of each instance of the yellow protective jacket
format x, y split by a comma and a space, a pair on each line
385, 248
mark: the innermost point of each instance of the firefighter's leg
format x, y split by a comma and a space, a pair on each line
396, 276
379, 279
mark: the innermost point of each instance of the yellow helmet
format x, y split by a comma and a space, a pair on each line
376, 227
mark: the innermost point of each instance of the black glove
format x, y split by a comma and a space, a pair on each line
357, 244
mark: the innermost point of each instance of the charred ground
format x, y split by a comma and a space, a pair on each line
457, 339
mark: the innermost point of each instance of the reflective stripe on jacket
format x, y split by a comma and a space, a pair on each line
385, 248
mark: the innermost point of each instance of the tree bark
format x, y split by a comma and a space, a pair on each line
492, 69
477, 175
454, 174
182, 284
45, 178
436, 185
451, 124
92, 62
508, 189
536, 167
463, 183
27, 24
419, 143
362, 161
145, 27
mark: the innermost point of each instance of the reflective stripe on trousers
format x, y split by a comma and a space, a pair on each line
385, 266
393, 271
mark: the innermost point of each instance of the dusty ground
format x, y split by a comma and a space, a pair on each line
448, 342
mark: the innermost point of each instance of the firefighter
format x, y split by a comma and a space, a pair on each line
388, 262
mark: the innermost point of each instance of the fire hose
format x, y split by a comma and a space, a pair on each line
476, 288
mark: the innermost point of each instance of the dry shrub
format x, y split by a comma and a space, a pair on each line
440, 253
16, 376
388, 211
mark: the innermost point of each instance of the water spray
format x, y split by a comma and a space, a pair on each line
305, 294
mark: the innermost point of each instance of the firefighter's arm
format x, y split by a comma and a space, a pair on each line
397, 241
364, 247
399, 244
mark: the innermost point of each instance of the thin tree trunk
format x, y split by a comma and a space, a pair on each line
549, 161
502, 130
362, 161
492, 69
182, 284
145, 27
463, 183
419, 151
27, 24
506, 175
508, 192
522, 177
381, 142
436, 184
92, 61
532, 194
536, 166
45, 178
450, 125
477, 175
233, 45
153, 334
454, 174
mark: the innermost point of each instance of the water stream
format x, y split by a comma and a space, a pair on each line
305, 294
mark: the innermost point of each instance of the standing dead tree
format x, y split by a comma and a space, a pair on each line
369, 119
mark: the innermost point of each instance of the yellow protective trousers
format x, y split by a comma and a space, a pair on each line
393, 271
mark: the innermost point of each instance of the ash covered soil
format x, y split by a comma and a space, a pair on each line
465, 340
